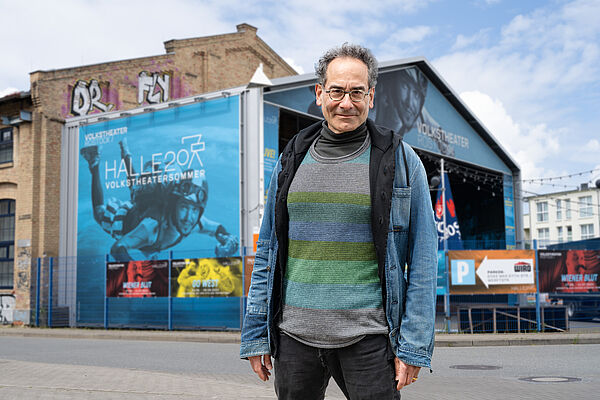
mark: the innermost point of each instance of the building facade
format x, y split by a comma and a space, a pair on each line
563, 216
32, 123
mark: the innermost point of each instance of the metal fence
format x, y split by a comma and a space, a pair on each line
72, 292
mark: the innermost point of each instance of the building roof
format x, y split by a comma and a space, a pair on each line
442, 86
18, 95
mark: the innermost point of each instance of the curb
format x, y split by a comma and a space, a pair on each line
441, 340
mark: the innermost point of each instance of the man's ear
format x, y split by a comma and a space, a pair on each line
318, 93
372, 98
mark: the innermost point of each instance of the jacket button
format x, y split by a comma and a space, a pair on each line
268, 267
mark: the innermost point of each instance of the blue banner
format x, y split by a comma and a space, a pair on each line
271, 142
453, 238
154, 183
509, 213
442, 276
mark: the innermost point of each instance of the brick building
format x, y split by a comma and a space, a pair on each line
32, 121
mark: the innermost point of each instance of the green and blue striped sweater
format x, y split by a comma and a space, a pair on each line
332, 292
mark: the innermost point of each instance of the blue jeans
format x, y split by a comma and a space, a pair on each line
364, 370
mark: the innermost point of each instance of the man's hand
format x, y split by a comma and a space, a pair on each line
405, 374
228, 245
263, 370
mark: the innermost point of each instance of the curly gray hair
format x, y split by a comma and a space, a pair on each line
352, 51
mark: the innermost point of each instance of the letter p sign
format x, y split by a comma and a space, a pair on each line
463, 272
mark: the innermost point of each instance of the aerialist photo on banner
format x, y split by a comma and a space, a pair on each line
167, 180
137, 279
207, 277
400, 105
569, 271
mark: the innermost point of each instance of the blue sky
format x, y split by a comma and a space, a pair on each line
528, 69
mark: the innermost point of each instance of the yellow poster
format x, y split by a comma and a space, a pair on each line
207, 277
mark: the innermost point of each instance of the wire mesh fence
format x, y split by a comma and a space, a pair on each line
200, 292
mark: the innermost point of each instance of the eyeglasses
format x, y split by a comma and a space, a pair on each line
356, 95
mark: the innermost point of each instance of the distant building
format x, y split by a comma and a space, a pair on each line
563, 216
32, 121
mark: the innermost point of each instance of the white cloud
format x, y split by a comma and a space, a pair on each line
592, 146
8, 91
530, 145
466, 41
293, 64
534, 87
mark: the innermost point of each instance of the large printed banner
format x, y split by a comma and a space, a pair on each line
207, 277
492, 271
161, 181
137, 279
569, 271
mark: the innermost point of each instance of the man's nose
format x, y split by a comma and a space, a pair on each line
346, 103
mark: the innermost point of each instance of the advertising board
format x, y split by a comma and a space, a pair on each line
492, 271
569, 271
153, 183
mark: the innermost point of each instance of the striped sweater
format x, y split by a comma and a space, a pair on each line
332, 292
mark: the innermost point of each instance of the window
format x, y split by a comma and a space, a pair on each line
542, 211
569, 234
559, 234
585, 207
587, 231
6, 145
7, 243
544, 236
558, 210
568, 209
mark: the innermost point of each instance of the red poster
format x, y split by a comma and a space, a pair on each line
569, 271
137, 279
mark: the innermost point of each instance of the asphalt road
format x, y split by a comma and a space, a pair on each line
53, 368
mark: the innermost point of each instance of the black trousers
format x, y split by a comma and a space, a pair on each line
364, 370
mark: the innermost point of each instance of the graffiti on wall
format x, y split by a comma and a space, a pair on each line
87, 97
7, 306
153, 87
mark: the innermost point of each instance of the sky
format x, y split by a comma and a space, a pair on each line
529, 70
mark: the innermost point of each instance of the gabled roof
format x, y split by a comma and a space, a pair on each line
441, 85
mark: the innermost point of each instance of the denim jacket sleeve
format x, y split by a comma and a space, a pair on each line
255, 330
416, 338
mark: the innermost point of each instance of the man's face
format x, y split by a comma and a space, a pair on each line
410, 104
345, 115
575, 262
186, 216
135, 272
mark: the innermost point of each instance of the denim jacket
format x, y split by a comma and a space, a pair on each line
404, 236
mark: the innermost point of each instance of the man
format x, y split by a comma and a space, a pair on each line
348, 207
158, 216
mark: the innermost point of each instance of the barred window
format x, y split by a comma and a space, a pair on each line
7, 243
6, 145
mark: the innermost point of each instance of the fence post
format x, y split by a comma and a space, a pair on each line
170, 299
242, 298
37, 293
537, 288
50, 279
447, 295
105, 294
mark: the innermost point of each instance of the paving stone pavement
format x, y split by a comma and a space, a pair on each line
65, 382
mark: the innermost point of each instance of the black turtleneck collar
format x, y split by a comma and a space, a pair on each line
335, 145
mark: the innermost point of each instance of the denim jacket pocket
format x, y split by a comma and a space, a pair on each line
400, 209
